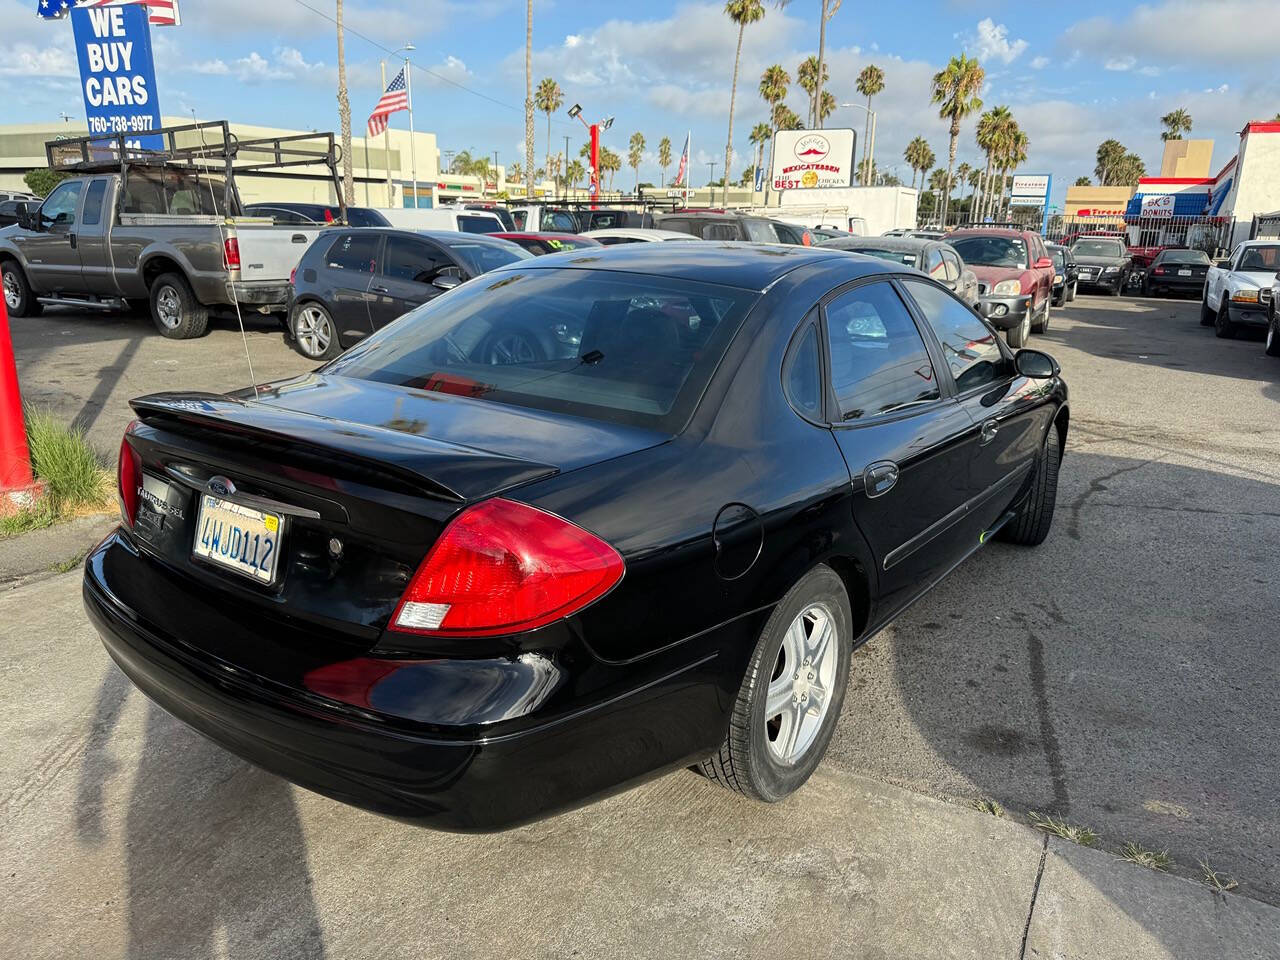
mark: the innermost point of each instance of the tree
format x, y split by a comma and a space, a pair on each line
1175, 123
741, 12
610, 163
919, 157
955, 89
760, 135
516, 173
993, 129
344, 116
870, 83
939, 181
41, 181
1129, 170
773, 90
549, 99
635, 153
574, 172
962, 177
784, 118
829, 105
554, 163
807, 78
664, 157
1083, 182
1109, 156
528, 99
1013, 154
748, 177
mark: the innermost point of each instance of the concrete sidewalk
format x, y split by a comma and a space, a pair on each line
125, 834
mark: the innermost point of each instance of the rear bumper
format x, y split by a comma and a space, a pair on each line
260, 294
1015, 308
491, 777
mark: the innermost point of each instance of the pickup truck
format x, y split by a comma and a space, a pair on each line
1237, 291
157, 229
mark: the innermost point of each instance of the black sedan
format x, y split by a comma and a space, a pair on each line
350, 283
1066, 274
469, 591
1177, 271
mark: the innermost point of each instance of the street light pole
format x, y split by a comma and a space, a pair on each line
869, 146
711, 183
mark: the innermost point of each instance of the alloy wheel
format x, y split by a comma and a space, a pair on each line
169, 307
12, 292
800, 688
313, 331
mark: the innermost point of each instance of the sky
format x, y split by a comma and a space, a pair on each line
1073, 74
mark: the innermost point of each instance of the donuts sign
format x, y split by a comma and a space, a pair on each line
812, 159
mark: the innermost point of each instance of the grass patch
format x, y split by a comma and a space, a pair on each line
1084, 836
75, 479
1220, 882
1152, 859
66, 566
989, 806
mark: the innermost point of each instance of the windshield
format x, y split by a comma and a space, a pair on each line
1099, 248
482, 256
991, 251
893, 256
610, 346
1198, 257
1059, 257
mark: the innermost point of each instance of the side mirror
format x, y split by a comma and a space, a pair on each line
1222, 262
24, 220
445, 282
1043, 262
1035, 364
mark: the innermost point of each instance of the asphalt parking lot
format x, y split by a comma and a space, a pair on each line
1121, 676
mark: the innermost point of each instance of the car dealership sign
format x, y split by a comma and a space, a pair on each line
813, 159
117, 73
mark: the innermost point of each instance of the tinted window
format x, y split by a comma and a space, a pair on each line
786, 234
473, 224
610, 241
543, 245
968, 344
803, 375
1098, 248
610, 346
1059, 258
991, 251
363, 217
880, 253
354, 251
561, 220
481, 256
719, 231
760, 232
93, 202
169, 190
60, 206
684, 226
1198, 257
878, 360
415, 260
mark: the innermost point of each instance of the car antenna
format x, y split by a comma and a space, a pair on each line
235, 298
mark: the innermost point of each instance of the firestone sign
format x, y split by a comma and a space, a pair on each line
812, 159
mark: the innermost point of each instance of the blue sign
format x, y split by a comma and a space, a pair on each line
118, 73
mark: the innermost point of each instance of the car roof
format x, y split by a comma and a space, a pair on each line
537, 235
650, 233
442, 236
748, 266
988, 232
883, 243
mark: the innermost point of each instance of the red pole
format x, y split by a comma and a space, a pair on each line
16, 483
595, 164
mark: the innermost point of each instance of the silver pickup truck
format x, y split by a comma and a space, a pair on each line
148, 232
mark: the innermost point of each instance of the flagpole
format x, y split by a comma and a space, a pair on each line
386, 144
413, 147
688, 164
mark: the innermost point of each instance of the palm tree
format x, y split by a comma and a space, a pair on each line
664, 157
807, 77
1175, 123
528, 99
829, 105
962, 176
912, 154
1010, 151
784, 118
574, 172
937, 183
870, 83
610, 163
344, 116
741, 12
516, 173
548, 99
760, 135
993, 128
1083, 182
1109, 156
773, 90
635, 153
955, 88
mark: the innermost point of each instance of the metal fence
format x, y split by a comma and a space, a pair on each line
1210, 234
1266, 226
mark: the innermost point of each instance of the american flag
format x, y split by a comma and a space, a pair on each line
161, 13
684, 164
396, 98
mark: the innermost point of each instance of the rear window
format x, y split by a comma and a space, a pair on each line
364, 217
1198, 257
991, 251
473, 224
608, 346
173, 191
1098, 248
881, 253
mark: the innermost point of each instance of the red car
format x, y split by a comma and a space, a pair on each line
540, 243
1015, 277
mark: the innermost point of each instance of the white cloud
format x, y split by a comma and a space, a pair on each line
1121, 63
572, 40
213, 68
1187, 32
450, 69
1039, 63
991, 41
1149, 71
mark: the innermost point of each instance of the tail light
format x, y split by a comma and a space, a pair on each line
504, 567
129, 476
231, 248
1157, 269
293, 274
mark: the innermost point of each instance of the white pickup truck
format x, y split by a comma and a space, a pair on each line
1238, 290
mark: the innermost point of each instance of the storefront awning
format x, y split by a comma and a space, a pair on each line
1184, 205
1219, 197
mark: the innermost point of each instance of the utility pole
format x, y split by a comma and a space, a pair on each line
565, 167
711, 189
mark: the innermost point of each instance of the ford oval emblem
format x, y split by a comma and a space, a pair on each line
220, 486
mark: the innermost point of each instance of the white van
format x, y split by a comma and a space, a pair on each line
443, 218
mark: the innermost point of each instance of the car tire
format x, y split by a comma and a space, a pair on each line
1018, 336
1222, 325
1207, 316
1272, 347
19, 299
1060, 298
175, 310
1075, 288
1118, 288
313, 331
767, 755
1043, 325
1030, 525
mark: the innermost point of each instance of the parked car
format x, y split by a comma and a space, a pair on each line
469, 588
1104, 263
1176, 271
618, 235
451, 218
939, 260
1015, 277
732, 226
11, 211
316, 214
927, 234
17, 195
1273, 320
352, 282
1066, 274
543, 243
1238, 291
607, 218
499, 210
535, 218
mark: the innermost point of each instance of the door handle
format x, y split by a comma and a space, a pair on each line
989, 430
379, 290
298, 238
878, 478
72, 238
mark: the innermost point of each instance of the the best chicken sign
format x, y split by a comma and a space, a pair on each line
813, 159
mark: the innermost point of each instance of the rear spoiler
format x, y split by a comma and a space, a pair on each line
432, 467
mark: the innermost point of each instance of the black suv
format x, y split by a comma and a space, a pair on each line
709, 225
351, 282
309, 214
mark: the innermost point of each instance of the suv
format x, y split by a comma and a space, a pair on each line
1104, 262
734, 226
1015, 277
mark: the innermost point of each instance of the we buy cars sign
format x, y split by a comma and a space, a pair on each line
812, 159
117, 73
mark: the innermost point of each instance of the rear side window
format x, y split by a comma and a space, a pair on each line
933, 264
561, 220
608, 346
473, 224
719, 231
952, 264
93, 202
803, 375
360, 217
416, 261
879, 363
969, 344
518, 217
357, 252
760, 232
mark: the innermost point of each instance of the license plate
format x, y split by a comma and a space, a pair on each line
1184, 273
238, 538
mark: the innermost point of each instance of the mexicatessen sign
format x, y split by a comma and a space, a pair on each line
812, 159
